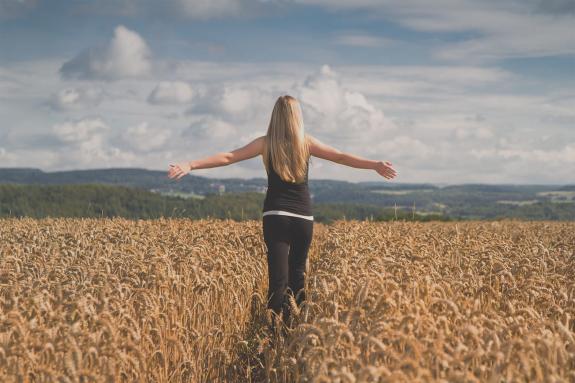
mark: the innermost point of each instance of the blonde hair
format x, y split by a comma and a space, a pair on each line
286, 142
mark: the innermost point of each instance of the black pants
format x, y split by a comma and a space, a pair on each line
288, 240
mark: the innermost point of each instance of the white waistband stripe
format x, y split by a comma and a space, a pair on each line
281, 212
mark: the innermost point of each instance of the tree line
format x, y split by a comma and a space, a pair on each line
101, 200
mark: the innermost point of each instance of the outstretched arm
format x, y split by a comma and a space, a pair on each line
321, 150
250, 150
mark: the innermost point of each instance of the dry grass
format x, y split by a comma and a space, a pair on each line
184, 301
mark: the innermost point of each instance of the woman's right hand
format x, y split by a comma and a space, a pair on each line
384, 168
177, 171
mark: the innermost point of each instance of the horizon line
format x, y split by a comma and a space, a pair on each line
438, 184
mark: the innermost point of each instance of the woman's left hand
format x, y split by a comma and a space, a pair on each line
177, 171
385, 169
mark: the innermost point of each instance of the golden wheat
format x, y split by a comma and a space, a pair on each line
175, 300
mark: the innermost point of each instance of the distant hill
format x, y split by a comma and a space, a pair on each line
456, 201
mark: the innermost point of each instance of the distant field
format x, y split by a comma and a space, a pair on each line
183, 195
518, 203
561, 196
176, 300
402, 192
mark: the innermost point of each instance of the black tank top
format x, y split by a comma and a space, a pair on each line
287, 196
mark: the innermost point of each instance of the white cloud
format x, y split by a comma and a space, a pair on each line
126, 55
340, 113
205, 9
437, 116
506, 38
175, 9
343, 4
81, 130
171, 92
421, 82
403, 149
363, 40
76, 98
87, 145
457, 125
210, 128
144, 137
13, 158
4, 153
233, 102
130, 8
549, 157
471, 132
501, 29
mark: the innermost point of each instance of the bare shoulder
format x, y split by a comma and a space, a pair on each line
311, 140
252, 149
321, 150
260, 142
312, 143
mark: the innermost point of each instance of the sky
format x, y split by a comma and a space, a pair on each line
449, 91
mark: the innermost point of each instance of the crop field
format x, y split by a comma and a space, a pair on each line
176, 300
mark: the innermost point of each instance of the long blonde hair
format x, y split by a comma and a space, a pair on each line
286, 142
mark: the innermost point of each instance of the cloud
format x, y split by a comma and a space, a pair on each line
498, 29
499, 32
220, 9
511, 42
111, 7
210, 128
13, 158
457, 126
473, 133
344, 4
335, 111
437, 116
144, 137
400, 149
86, 145
4, 153
363, 40
126, 55
189, 9
233, 102
171, 92
207, 9
80, 131
559, 157
76, 98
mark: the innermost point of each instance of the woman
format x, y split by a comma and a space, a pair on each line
287, 213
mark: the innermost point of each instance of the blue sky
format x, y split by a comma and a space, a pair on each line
450, 92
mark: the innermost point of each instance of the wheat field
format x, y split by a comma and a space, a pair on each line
176, 300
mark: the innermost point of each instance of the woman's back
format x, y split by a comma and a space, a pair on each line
287, 196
